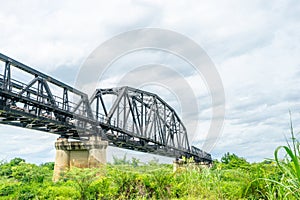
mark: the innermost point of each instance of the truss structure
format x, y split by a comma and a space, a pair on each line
126, 117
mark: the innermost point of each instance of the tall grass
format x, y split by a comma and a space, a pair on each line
289, 184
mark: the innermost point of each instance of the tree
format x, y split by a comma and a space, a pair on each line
6, 168
16, 161
26, 172
49, 165
231, 161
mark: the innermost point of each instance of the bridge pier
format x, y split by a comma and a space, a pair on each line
78, 154
179, 164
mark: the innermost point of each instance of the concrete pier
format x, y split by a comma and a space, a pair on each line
182, 165
78, 154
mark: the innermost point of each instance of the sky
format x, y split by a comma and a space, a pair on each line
254, 46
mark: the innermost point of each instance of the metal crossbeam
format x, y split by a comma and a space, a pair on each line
127, 117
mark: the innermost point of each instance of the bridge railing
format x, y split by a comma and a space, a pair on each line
17, 86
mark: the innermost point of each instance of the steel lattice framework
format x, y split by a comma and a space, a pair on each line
126, 117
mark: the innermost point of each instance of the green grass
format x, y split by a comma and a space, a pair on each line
143, 181
231, 178
289, 166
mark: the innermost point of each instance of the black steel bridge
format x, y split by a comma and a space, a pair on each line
126, 117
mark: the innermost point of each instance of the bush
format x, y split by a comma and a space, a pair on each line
58, 192
30, 173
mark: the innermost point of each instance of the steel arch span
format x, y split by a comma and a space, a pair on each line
126, 117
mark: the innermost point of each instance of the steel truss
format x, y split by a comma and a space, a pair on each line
126, 117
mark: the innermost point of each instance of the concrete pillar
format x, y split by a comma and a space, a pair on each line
97, 152
181, 165
177, 164
62, 158
78, 154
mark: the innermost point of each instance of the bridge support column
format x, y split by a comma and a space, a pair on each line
181, 165
177, 164
78, 154
97, 152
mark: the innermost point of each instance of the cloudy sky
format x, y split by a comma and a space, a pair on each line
254, 46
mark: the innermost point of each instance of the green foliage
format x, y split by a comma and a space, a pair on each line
154, 161
6, 168
59, 192
49, 165
121, 161
16, 161
135, 162
8, 188
232, 161
25, 172
231, 178
135, 180
289, 184
82, 179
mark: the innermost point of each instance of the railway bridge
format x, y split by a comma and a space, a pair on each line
123, 117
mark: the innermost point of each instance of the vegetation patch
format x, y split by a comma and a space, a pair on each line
230, 178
